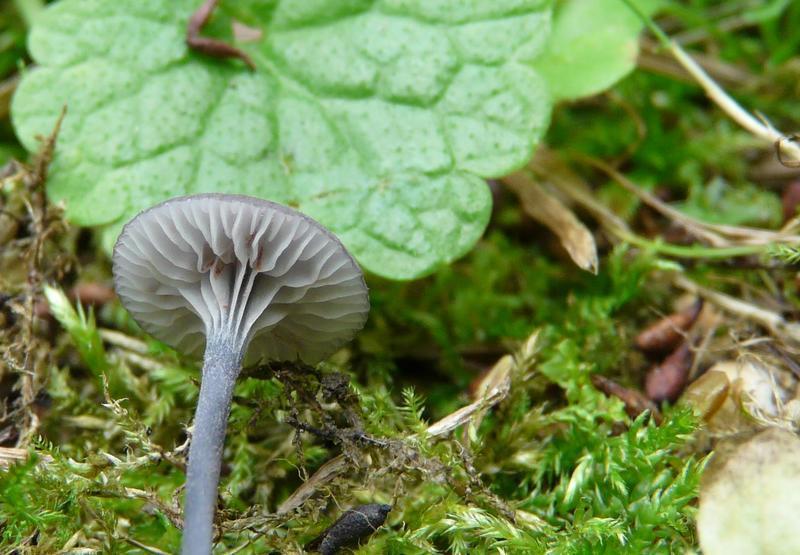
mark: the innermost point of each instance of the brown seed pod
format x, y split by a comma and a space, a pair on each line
89, 293
353, 525
665, 334
93, 293
635, 401
666, 381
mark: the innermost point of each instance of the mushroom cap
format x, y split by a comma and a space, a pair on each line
243, 270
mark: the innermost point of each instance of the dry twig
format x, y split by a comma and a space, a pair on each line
496, 389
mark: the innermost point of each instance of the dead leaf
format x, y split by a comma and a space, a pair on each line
548, 167
668, 332
547, 209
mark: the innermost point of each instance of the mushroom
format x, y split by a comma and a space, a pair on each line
240, 279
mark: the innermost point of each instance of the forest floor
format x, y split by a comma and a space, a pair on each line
511, 402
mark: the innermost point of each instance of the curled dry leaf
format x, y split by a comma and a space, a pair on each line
791, 139
547, 209
749, 498
666, 333
245, 33
666, 381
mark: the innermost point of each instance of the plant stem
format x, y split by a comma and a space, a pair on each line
689, 251
221, 366
715, 92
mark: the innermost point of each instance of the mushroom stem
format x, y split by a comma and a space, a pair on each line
221, 366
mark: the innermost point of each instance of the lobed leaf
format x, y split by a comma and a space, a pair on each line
379, 118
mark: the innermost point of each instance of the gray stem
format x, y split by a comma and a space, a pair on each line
221, 366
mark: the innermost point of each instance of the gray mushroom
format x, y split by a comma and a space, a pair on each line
237, 278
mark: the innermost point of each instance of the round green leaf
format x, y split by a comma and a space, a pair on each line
594, 43
378, 118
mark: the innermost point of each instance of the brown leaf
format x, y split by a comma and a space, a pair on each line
92, 293
666, 381
665, 334
635, 401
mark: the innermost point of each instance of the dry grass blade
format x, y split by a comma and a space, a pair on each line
759, 127
714, 234
652, 60
547, 166
12, 455
772, 321
729, 105
545, 208
322, 476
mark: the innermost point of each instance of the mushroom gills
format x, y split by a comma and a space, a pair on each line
236, 278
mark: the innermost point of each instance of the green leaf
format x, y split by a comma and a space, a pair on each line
378, 118
719, 202
594, 43
81, 328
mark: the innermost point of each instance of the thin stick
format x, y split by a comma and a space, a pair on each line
209, 46
712, 233
144, 547
715, 92
773, 321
